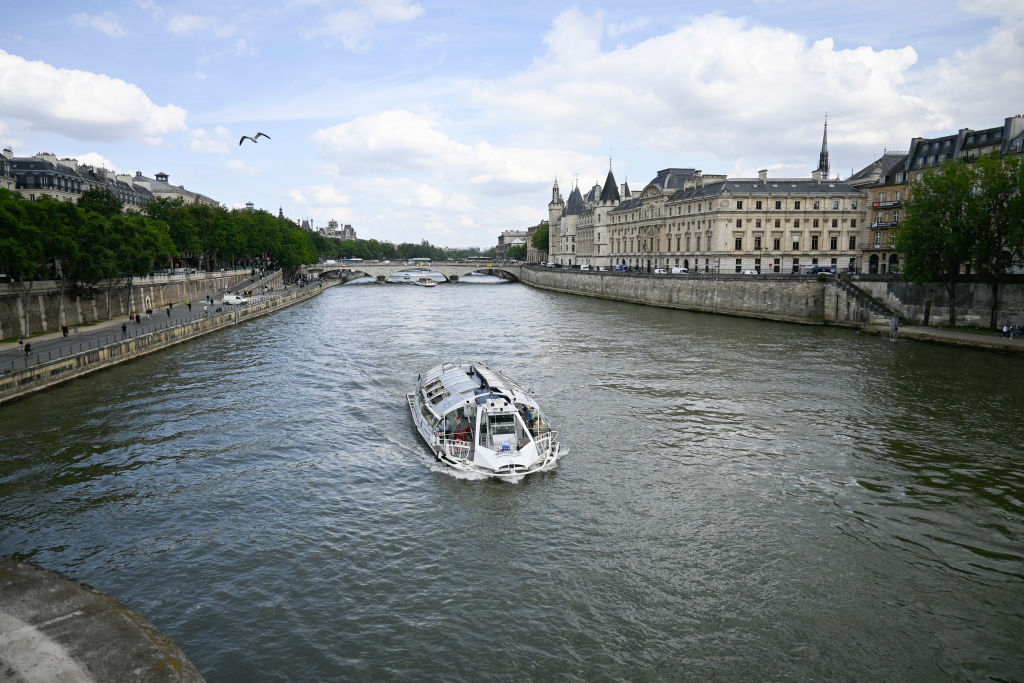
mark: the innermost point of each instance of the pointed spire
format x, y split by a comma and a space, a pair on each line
610, 192
823, 157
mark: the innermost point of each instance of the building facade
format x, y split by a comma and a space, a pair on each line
710, 223
336, 230
7, 178
64, 180
507, 240
160, 187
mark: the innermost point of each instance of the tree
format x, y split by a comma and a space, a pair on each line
540, 238
140, 242
22, 251
938, 236
100, 200
997, 187
517, 252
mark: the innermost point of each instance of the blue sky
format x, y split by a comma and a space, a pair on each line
449, 121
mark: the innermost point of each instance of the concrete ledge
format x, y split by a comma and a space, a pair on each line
991, 341
53, 628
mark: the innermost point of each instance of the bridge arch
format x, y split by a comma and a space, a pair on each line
452, 270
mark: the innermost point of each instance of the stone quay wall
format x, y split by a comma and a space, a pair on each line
801, 299
973, 301
37, 377
43, 300
796, 299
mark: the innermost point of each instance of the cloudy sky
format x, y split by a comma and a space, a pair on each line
448, 121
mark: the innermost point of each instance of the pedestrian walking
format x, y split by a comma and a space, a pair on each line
124, 330
64, 330
28, 350
21, 341
168, 310
188, 302
1006, 330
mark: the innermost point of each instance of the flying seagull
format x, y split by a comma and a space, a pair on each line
253, 138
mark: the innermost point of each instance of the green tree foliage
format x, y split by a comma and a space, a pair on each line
95, 241
963, 218
540, 238
936, 237
517, 252
100, 200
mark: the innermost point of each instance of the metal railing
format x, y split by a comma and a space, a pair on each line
458, 449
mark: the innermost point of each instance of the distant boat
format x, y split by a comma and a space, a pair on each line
414, 275
426, 282
476, 419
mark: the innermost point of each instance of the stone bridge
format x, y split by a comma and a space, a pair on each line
452, 270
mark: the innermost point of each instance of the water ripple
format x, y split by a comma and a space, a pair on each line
737, 499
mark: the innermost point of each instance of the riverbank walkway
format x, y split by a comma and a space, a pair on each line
52, 345
979, 339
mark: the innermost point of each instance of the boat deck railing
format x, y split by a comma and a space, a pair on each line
456, 448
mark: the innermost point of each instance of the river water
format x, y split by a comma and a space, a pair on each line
739, 499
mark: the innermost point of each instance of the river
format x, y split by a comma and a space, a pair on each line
739, 499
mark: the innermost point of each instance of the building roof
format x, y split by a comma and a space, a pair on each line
574, 206
881, 170
610, 193
772, 186
673, 178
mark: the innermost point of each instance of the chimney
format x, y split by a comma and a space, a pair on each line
763, 174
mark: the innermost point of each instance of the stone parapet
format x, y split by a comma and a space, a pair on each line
797, 299
42, 300
19, 383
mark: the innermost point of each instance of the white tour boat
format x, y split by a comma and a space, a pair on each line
426, 282
476, 419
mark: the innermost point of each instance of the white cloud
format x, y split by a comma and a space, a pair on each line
972, 85
624, 28
318, 195
97, 160
216, 142
107, 23
713, 87
353, 27
242, 168
401, 141
240, 48
994, 8
182, 24
81, 104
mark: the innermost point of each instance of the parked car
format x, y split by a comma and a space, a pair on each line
584, 267
234, 299
660, 271
677, 270
750, 272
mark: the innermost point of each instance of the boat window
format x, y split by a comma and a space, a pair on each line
503, 424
